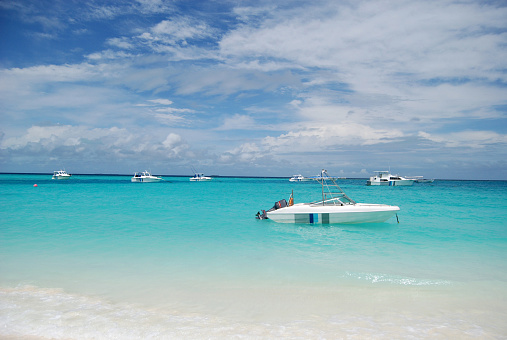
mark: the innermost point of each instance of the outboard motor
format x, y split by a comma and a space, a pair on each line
262, 216
278, 205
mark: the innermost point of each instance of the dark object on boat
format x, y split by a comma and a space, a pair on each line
278, 205
262, 216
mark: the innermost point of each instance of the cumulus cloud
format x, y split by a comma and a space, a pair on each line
247, 152
76, 141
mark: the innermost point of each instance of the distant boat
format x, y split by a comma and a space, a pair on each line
200, 178
61, 174
335, 207
420, 179
385, 178
300, 178
145, 177
315, 178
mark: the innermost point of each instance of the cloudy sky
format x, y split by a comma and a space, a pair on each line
262, 88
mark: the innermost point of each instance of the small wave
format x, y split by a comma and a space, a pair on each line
396, 280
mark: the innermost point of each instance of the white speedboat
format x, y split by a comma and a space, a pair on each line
145, 177
385, 178
300, 178
421, 179
200, 177
335, 207
61, 174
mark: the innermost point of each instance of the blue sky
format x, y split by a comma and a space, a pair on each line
254, 88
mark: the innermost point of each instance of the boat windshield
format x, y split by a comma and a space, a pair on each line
334, 201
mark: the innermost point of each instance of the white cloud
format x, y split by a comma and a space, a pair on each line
50, 73
382, 39
174, 110
75, 141
51, 137
108, 54
170, 119
122, 43
180, 29
330, 136
238, 122
177, 30
161, 101
171, 140
467, 139
247, 152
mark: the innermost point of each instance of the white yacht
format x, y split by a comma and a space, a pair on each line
61, 174
385, 178
200, 177
335, 207
145, 177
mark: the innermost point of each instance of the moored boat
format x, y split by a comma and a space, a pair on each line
335, 207
421, 179
385, 178
61, 174
300, 178
145, 177
200, 178
424, 180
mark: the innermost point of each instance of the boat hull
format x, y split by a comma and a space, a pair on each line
391, 183
61, 177
348, 214
145, 180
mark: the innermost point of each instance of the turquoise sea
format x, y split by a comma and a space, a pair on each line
99, 257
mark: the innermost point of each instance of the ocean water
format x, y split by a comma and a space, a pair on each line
98, 257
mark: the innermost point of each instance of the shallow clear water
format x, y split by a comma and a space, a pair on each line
100, 257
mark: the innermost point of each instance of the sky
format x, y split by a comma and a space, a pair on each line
254, 88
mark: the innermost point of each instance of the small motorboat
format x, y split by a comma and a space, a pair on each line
61, 174
200, 178
421, 179
424, 180
335, 207
385, 178
145, 177
300, 178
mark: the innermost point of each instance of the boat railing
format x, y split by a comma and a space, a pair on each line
331, 190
